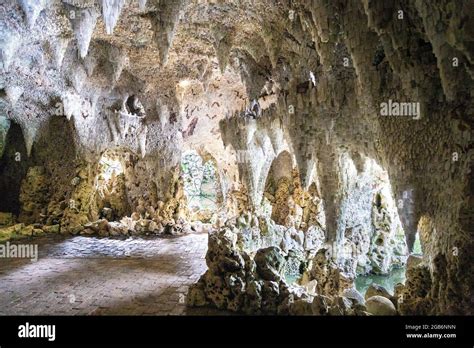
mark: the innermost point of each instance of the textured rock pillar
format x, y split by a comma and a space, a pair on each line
329, 176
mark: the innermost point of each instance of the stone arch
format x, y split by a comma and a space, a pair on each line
368, 217
202, 184
221, 188
113, 181
264, 172
53, 158
426, 231
282, 165
257, 155
278, 183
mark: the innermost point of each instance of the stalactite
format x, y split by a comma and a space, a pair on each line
59, 49
32, 9
29, 134
111, 12
83, 22
164, 25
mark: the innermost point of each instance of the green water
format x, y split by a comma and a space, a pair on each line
292, 279
387, 281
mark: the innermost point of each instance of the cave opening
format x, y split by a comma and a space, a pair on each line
201, 186
111, 185
424, 232
374, 234
417, 249
279, 187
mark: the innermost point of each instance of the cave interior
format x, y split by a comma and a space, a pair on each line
321, 150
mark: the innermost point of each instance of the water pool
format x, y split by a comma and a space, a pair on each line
387, 281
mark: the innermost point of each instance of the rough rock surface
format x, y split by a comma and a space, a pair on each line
266, 280
246, 83
379, 305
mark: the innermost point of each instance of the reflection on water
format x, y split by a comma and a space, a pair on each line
387, 281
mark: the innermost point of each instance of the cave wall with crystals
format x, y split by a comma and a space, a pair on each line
243, 83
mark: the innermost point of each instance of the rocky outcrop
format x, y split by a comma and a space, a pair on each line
387, 248
292, 205
6, 219
244, 278
34, 195
331, 279
18, 231
414, 297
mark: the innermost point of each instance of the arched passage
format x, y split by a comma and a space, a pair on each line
201, 185
112, 184
282, 166
279, 187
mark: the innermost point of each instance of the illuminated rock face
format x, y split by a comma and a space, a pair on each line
371, 102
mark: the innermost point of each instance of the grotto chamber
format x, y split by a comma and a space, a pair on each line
316, 161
